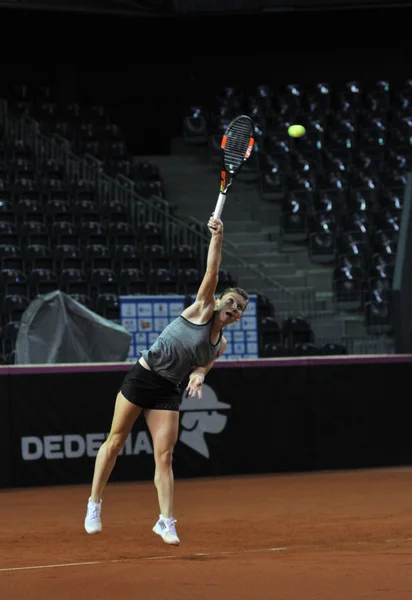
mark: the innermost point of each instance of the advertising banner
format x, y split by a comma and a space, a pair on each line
239, 426
145, 317
264, 416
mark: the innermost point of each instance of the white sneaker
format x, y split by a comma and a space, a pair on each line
92, 522
167, 530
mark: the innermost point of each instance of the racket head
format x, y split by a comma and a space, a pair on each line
237, 143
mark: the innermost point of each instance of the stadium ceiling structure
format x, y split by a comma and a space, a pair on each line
137, 8
168, 8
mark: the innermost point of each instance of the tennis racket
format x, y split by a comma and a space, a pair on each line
236, 147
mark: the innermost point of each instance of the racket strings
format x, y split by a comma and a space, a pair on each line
238, 139
234, 156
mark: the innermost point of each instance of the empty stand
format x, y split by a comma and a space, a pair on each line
70, 216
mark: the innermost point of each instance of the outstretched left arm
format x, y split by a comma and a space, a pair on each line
197, 376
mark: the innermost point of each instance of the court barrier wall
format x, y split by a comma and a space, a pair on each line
6, 458
257, 416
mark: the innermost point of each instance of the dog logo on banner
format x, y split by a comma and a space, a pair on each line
200, 417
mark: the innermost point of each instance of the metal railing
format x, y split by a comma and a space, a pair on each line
286, 301
90, 170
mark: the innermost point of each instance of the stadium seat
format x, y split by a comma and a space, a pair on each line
108, 306
294, 219
9, 235
264, 306
378, 310
132, 281
348, 288
74, 281
86, 210
11, 257
322, 245
306, 349
269, 331
58, 209
64, 233
39, 256
183, 257
97, 256
120, 231
273, 350
92, 232
150, 233
162, 281
28, 209
332, 349
127, 256
296, 330
188, 281
155, 256
42, 281
7, 213
67, 256
103, 281
13, 306
36, 233
82, 190
113, 211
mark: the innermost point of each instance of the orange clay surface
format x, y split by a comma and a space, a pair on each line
314, 536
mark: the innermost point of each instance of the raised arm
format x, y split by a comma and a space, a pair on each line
206, 292
204, 305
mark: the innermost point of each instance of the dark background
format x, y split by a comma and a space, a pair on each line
149, 69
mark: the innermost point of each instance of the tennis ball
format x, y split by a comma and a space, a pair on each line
296, 131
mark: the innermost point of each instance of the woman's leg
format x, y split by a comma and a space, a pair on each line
164, 427
125, 414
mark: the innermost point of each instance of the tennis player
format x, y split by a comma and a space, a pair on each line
188, 346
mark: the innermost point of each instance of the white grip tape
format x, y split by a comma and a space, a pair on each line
219, 206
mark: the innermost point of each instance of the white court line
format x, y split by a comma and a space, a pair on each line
213, 553
96, 562
99, 562
168, 556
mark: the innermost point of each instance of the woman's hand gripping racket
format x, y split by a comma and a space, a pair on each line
237, 145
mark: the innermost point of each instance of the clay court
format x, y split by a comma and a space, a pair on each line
315, 536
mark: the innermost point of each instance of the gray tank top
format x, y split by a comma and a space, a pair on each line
180, 348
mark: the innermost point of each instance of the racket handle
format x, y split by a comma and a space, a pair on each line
219, 206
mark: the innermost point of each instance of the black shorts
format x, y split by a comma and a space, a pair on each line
149, 390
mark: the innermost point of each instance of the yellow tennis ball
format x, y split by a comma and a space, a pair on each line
296, 131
